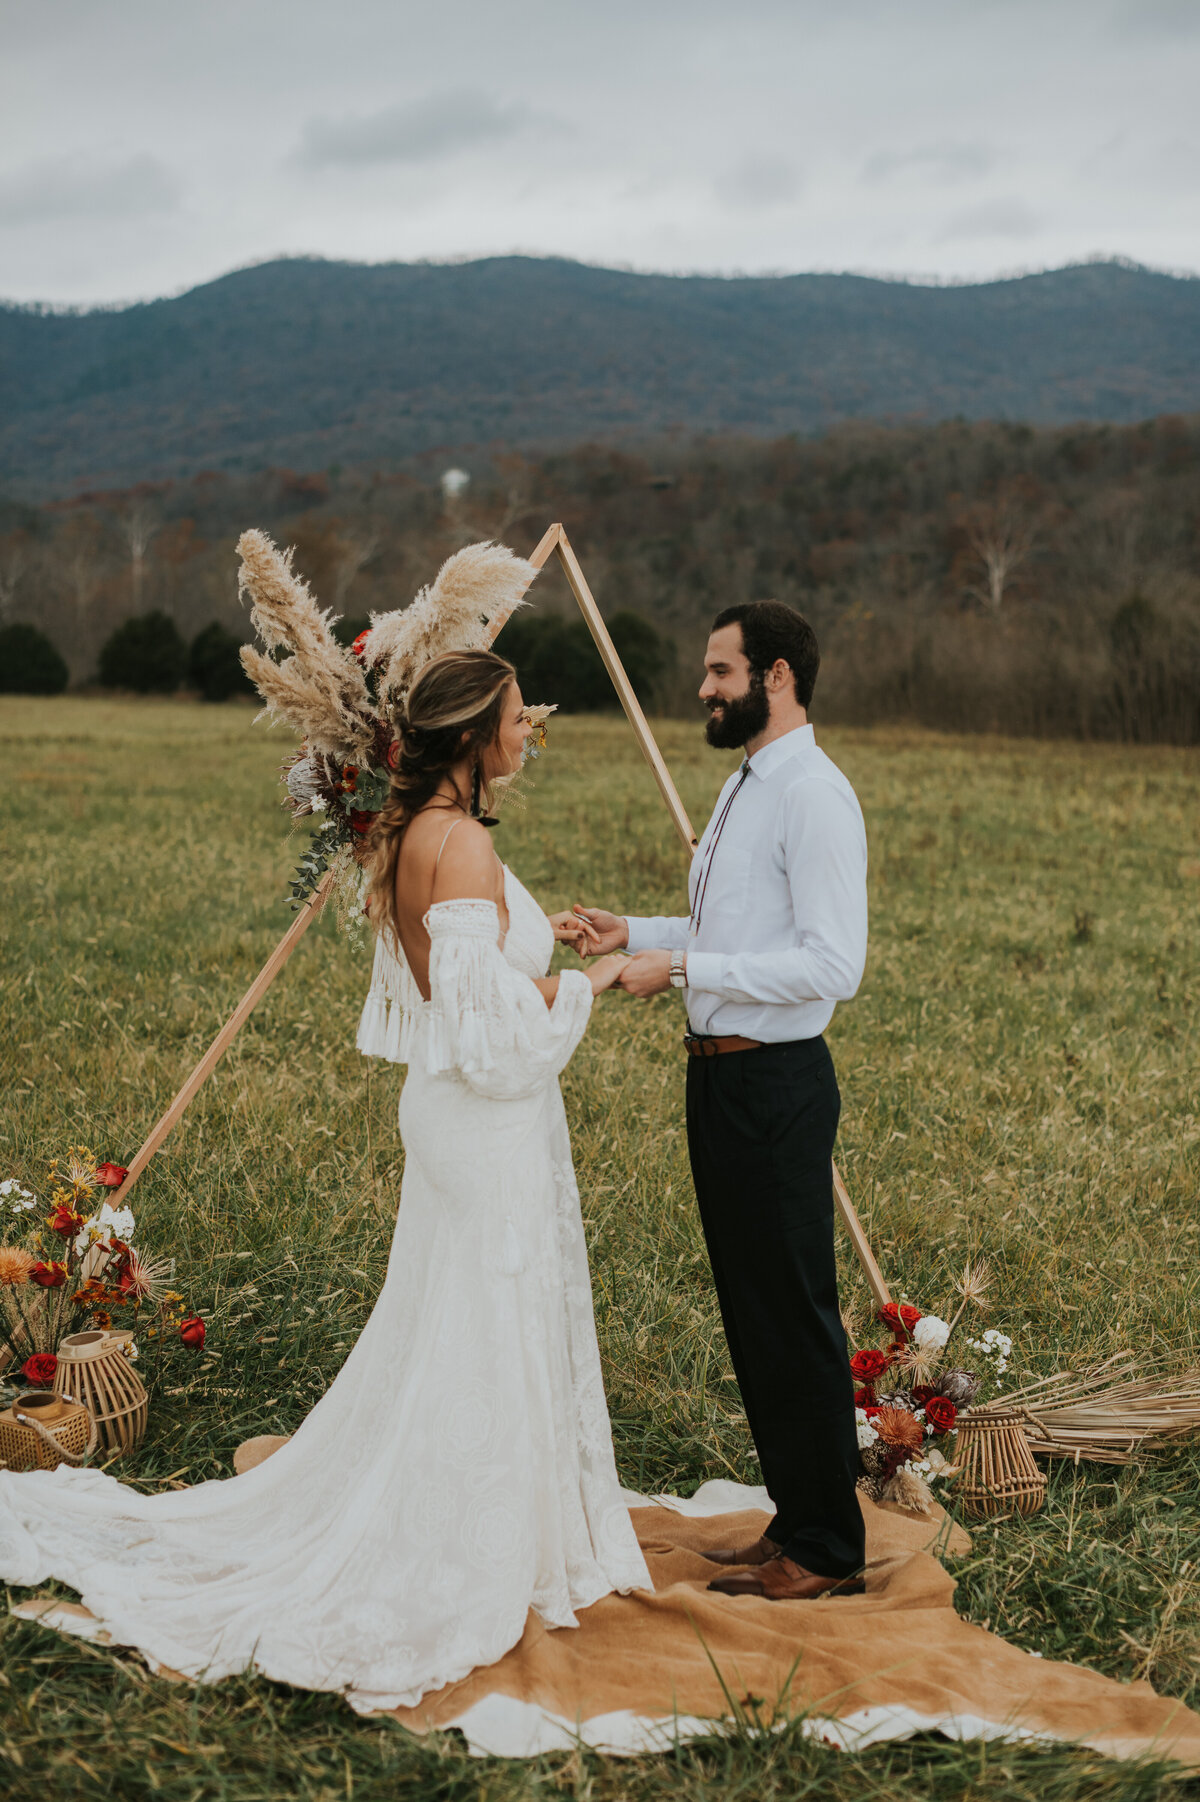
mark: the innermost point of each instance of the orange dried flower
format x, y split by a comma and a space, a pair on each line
897, 1428
15, 1266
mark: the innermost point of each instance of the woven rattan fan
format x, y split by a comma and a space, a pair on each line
1106, 1414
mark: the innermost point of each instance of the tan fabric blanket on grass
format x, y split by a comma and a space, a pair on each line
642, 1670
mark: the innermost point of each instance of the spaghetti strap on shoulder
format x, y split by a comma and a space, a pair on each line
437, 860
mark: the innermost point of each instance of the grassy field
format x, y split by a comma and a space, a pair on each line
1019, 1077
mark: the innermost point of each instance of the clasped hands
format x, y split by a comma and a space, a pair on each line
595, 934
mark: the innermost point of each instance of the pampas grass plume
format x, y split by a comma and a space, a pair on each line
319, 689
475, 593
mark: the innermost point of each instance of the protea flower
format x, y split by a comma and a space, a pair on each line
959, 1386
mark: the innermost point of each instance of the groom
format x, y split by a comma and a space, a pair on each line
776, 935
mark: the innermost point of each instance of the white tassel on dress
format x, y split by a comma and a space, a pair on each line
385, 1025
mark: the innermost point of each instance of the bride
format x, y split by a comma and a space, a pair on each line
460, 1470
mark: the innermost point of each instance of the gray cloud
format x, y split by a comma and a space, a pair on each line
75, 186
939, 162
999, 218
759, 181
1164, 18
420, 131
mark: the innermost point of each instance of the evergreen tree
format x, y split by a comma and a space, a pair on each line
146, 654
29, 663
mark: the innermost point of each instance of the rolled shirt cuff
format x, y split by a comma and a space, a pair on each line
707, 970
659, 933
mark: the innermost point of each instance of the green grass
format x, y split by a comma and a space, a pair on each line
1019, 1080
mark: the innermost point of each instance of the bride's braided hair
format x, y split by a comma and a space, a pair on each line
452, 711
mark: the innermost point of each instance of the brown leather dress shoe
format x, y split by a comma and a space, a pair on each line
780, 1580
758, 1553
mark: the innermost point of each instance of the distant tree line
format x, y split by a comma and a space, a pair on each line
967, 576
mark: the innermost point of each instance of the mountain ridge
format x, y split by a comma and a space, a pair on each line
312, 362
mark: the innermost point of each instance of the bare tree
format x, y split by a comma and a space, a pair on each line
139, 523
351, 553
1002, 538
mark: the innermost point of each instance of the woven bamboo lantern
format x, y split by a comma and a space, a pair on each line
997, 1474
43, 1430
94, 1369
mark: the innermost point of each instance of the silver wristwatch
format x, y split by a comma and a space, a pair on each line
678, 971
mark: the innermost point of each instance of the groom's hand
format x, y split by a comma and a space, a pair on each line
607, 932
647, 973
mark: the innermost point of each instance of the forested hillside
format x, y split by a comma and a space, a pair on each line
316, 364
965, 575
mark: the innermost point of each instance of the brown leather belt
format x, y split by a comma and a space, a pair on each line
698, 1046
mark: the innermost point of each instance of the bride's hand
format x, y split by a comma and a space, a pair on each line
581, 935
605, 972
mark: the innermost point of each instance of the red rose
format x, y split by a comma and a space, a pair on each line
899, 1317
921, 1393
360, 643
65, 1220
111, 1176
941, 1413
867, 1366
50, 1276
392, 755
361, 822
864, 1398
191, 1331
40, 1369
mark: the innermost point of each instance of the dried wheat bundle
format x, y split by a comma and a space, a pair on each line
475, 592
319, 688
1106, 1414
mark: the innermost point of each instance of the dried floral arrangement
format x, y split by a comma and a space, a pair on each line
345, 702
69, 1263
908, 1395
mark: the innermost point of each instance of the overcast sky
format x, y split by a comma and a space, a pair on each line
147, 145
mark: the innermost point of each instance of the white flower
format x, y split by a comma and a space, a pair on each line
936, 1465
19, 1199
108, 1223
930, 1333
865, 1430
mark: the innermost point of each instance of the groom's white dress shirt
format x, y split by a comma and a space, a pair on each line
782, 928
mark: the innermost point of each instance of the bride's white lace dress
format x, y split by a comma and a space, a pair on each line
460, 1470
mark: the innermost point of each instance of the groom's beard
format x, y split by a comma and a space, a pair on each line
741, 719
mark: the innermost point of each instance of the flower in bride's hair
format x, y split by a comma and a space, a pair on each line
16, 1266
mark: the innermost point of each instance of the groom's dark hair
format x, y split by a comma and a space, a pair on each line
770, 631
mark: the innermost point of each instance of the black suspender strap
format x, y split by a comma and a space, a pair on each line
702, 885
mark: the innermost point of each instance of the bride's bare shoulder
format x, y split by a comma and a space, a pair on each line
467, 866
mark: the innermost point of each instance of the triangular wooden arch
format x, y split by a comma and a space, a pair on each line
555, 540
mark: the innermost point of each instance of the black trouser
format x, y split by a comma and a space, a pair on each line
761, 1127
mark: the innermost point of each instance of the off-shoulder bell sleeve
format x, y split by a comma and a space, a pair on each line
487, 1022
